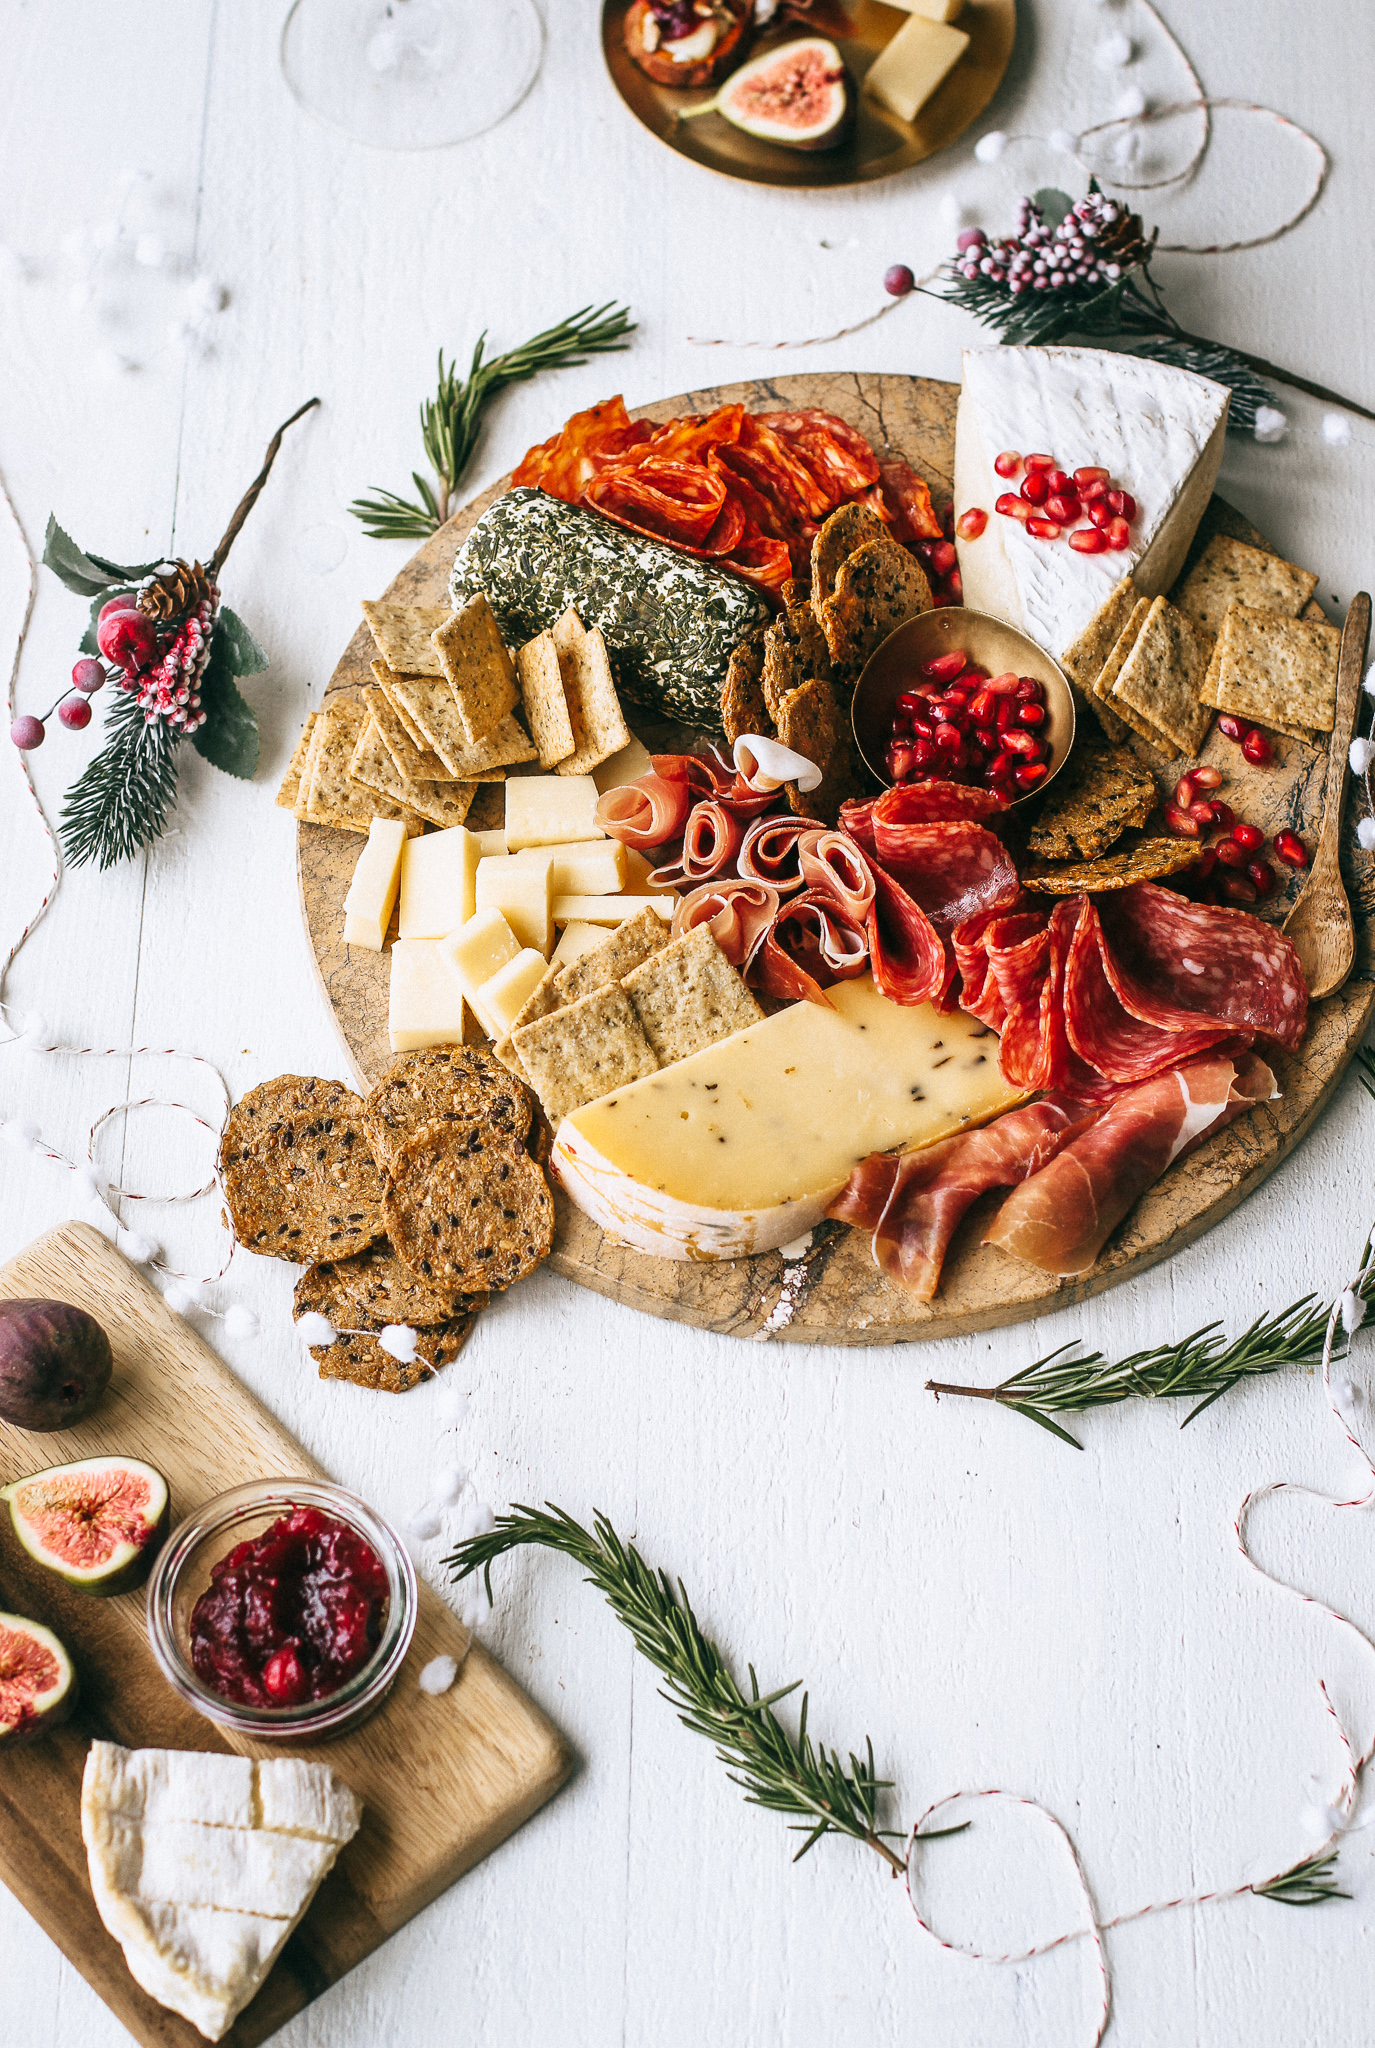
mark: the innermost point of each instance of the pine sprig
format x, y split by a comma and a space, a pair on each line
1311, 1883
120, 800
783, 1773
451, 421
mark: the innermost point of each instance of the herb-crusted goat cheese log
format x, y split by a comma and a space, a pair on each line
669, 622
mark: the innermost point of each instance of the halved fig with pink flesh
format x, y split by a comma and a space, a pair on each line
97, 1524
801, 96
37, 1680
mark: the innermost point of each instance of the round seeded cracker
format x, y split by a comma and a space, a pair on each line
298, 1178
355, 1353
468, 1208
450, 1084
380, 1284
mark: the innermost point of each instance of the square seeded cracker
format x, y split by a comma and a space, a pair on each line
1083, 659
289, 795
473, 659
1230, 572
628, 946
743, 709
542, 699
1100, 793
333, 797
589, 689
441, 803
410, 757
688, 996
1102, 699
1277, 672
429, 703
1161, 676
402, 633
584, 1050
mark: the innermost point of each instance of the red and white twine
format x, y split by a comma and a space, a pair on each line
1348, 1312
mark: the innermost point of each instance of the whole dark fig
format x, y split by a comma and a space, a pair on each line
55, 1363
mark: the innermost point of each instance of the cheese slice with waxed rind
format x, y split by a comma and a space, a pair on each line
1157, 430
740, 1148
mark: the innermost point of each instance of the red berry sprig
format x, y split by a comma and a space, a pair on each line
74, 711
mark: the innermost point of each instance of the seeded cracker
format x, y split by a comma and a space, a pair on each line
387, 679
1161, 676
542, 699
298, 1178
629, 945
442, 803
1150, 861
468, 1211
1278, 671
1230, 572
584, 1050
847, 528
410, 758
1098, 795
383, 1287
743, 709
333, 797
448, 1084
402, 633
356, 1355
782, 668
289, 794
589, 688
1102, 697
479, 671
808, 724
1083, 659
430, 704
688, 996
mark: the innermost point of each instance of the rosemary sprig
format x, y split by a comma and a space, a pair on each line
120, 800
451, 421
783, 1773
1311, 1883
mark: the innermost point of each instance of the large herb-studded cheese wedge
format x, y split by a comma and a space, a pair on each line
739, 1149
201, 1865
1158, 431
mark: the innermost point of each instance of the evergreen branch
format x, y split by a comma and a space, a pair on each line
1311, 1883
120, 801
782, 1773
451, 421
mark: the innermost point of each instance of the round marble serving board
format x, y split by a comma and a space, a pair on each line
833, 1294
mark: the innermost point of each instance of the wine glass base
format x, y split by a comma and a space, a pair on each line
411, 74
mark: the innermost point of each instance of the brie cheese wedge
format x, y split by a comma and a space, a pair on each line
1158, 431
202, 1865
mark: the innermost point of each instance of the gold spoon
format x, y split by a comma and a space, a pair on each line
1320, 923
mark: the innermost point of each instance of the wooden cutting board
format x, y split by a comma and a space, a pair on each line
835, 1295
442, 1780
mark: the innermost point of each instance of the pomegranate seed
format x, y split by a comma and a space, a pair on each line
1255, 746
1291, 849
1230, 854
922, 729
1090, 476
1100, 512
948, 521
1044, 529
1249, 836
986, 739
1060, 480
1004, 685
1263, 875
1029, 691
1011, 506
1032, 714
1202, 813
983, 707
1223, 814
1019, 742
1066, 510
943, 668
925, 753
1233, 728
1239, 889
948, 738
943, 560
1123, 504
1207, 861
977, 668
1087, 540
954, 584
1029, 774
1005, 714
899, 763
1119, 534
1093, 490
1001, 766
1039, 461
1035, 489
1180, 823
910, 702
971, 524
1206, 778
954, 699
1183, 790
1008, 463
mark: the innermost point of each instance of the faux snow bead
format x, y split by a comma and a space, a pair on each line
1271, 423
314, 1328
240, 1322
1336, 429
438, 1675
990, 147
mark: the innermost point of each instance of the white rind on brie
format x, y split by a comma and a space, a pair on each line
1159, 431
201, 1866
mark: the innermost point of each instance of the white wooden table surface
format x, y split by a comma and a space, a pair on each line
991, 1608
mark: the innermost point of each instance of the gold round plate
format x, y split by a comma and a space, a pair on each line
879, 145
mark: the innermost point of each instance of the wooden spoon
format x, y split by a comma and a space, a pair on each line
1320, 922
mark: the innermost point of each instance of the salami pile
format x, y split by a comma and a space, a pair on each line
747, 491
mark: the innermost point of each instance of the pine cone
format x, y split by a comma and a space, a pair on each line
176, 589
1124, 242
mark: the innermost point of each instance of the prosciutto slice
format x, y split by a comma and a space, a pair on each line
831, 861
710, 774
769, 852
711, 841
912, 1203
1062, 1216
738, 914
811, 944
646, 813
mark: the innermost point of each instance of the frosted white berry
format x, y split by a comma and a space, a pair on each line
1271, 423
990, 147
1336, 429
1113, 52
1360, 754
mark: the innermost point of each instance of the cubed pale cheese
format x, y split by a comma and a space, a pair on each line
437, 882
472, 955
490, 843
372, 892
606, 910
425, 1004
519, 886
550, 810
504, 994
576, 938
637, 873
628, 766
589, 867
918, 60
934, 10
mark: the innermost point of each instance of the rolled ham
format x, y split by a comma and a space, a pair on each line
811, 943
646, 813
711, 842
1062, 1216
769, 852
737, 914
832, 861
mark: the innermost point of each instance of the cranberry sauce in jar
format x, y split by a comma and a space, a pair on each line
291, 1615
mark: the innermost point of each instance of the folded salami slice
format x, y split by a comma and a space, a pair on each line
953, 869
1062, 1216
1120, 1044
1177, 963
973, 942
925, 803
905, 949
1035, 1049
912, 1203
